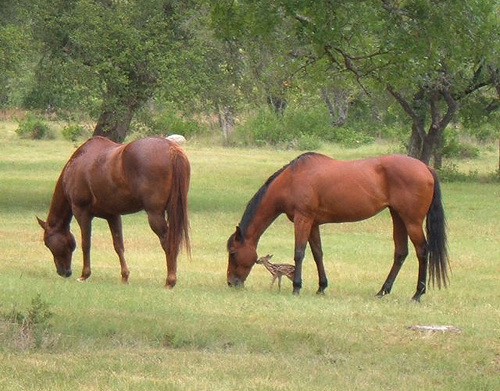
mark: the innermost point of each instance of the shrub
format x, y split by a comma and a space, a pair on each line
33, 325
450, 173
73, 132
297, 128
34, 129
349, 138
456, 149
308, 142
167, 122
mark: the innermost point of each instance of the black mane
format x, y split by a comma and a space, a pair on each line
254, 203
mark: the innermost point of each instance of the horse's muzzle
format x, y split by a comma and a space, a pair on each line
65, 273
235, 282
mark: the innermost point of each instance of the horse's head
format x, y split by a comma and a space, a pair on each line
242, 257
62, 244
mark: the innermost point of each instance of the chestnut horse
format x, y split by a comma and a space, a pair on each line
314, 189
105, 179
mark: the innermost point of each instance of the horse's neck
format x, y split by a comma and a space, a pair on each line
262, 219
60, 212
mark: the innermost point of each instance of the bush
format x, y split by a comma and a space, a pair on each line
74, 132
33, 325
298, 128
34, 129
456, 149
349, 138
450, 173
167, 122
308, 142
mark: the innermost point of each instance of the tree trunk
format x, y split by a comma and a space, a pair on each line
339, 108
115, 124
429, 145
278, 104
416, 141
226, 120
425, 145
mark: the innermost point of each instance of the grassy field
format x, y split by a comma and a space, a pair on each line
59, 334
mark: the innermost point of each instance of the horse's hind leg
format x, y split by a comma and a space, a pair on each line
400, 237
115, 226
418, 239
315, 244
159, 226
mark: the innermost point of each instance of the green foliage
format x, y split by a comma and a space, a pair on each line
350, 138
297, 128
454, 148
308, 142
266, 128
34, 128
74, 132
34, 324
450, 173
166, 121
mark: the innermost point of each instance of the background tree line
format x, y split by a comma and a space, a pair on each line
418, 64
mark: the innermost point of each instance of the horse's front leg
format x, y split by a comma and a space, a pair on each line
115, 226
84, 220
302, 227
317, 251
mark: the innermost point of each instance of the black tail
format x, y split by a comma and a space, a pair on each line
437, 246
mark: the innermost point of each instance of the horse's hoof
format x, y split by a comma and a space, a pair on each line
81, 279
415, 299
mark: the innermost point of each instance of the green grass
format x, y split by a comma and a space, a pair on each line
204, 336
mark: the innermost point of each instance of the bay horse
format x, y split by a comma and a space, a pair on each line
105, 179
314, 189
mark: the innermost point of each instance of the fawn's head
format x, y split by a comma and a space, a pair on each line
264, 259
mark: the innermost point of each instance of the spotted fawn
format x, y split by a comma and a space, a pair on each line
277, 270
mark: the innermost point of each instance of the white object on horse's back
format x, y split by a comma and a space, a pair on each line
177, 138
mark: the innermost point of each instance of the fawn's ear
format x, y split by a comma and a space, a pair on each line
41, 222
269, 256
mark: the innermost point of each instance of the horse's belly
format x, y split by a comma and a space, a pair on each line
349, 209
111, 200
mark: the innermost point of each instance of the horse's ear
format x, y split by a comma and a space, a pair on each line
41, 222
238, 236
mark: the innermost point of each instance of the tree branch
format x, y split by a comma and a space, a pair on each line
452, 108
408, 109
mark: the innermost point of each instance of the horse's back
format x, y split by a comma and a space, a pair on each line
351, 190
111, 178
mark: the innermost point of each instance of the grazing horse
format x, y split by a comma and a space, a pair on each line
314, 189
105, 179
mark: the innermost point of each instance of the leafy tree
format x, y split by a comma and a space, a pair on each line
428, 55
16, 48
109, 56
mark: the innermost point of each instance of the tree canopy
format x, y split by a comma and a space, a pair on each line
111, 57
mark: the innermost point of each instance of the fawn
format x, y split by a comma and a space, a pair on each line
277, 270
